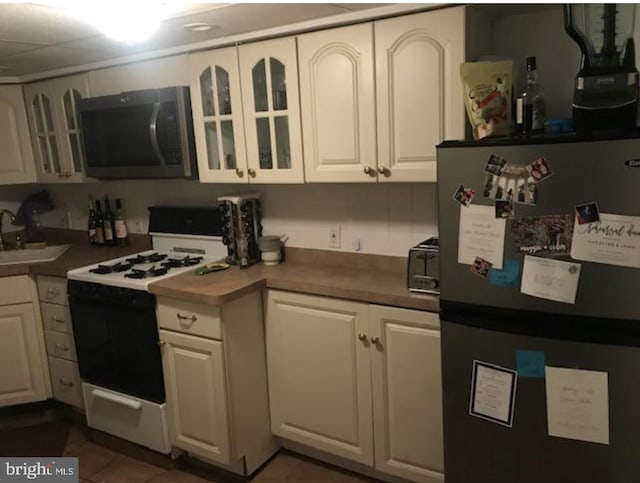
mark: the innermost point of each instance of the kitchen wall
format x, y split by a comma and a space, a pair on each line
386, 219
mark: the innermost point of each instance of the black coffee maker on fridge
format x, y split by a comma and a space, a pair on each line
241, 227
605, 99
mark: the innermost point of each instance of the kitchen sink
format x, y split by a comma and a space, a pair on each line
47, 254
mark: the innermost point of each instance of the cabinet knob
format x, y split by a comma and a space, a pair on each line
376, 342
64, 382
384, 170
62, 347
192, 318
57, 320
252, 172
161, 343
362, 337
53, 292
239, 172
368, 170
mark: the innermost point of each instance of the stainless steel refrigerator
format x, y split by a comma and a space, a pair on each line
485, 316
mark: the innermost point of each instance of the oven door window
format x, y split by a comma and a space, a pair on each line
118, 348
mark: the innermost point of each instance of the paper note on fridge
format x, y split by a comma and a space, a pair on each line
577, 404
481, 235
614, 240
550, 279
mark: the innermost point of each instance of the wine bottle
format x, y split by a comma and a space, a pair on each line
91, 228
530, 109
99, 224
120, 227
109, 238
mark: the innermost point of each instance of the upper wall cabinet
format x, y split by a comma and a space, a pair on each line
338, 104
419, 101
269, 72
55, 128
217, 116
16, 163
151, 74
416, 100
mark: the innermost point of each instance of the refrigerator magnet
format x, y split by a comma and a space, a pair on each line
509, 276
495, 165
481, 267
464, 195
493, 393
545, 236
587, 213
504, 209
530, 363
539, 169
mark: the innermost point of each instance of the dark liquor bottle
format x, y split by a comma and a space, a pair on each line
99, 224
120, 227
109, 237
91, 229
530, 109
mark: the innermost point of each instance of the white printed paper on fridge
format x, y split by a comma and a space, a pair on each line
577, 404
493, 393
550, 279
481, 234
614, 240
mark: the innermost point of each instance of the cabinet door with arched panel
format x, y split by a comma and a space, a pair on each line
69, 91
271, 105
217, 116
338, 104
44, 137
419, 97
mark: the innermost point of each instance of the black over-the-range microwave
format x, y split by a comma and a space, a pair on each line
139, 134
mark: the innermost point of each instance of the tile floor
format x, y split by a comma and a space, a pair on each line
100, 464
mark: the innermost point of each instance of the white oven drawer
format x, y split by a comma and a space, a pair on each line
127, 417
189, 318
60, 345
52, 289
56, 318
65, 382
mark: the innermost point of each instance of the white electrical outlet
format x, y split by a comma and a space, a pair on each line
334, 236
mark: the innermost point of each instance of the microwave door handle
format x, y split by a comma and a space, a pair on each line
153, 132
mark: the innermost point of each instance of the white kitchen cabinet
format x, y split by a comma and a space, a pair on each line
213, 360
407, 393
357, 381
319, 374
337, 94
217, 116
55, 127
150, 74
270, 98
22, 355
418, 91
17, 164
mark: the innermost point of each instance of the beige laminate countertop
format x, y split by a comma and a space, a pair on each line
372, 285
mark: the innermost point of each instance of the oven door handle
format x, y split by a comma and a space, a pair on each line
153, 132
114, 398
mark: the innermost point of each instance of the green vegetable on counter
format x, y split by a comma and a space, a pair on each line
212, 267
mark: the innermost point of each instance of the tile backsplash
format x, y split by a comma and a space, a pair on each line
384, 219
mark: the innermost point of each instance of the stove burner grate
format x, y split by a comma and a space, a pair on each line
187, 261
106, 269
151, 258
152, 272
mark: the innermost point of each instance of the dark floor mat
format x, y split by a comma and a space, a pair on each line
47, 439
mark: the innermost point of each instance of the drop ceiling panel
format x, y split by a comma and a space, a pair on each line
49, 58
8, 47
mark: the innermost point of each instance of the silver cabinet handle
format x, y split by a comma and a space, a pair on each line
53, 292
61, 347
368, 170
362, 337
57, 320
64, 382
161, 343
252, 172
375, 340
384, 170
192, 318
239, 172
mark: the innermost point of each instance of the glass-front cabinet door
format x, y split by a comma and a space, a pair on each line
217, 116
44, 138
272, 111
69, 91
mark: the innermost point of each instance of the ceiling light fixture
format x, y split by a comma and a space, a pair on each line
199, 27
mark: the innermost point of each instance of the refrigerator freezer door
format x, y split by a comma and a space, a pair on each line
582, 172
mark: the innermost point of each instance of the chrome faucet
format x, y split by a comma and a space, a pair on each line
12, 218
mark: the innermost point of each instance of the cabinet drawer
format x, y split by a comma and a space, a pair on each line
190, 318
60, 345
53, 290
14, 290
56, 318
65, 382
